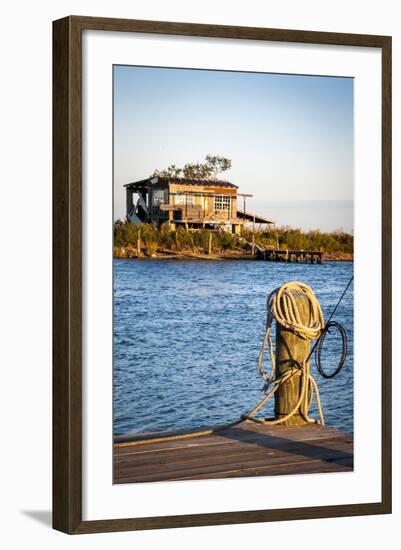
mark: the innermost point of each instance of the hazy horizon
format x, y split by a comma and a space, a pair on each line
290, 137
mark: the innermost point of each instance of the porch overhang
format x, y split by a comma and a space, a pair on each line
250, 217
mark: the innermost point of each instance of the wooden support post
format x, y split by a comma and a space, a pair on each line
138, 242
253, 237
276, 236
291, 352
209, 249
186, 213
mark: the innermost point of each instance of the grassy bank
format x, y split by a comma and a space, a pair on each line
160, 241
336, 242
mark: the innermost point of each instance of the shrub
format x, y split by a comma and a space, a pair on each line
154, 238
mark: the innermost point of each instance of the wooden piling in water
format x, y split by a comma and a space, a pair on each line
291, 350
253, 237
290, 256
138, 242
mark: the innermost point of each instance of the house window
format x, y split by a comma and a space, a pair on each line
221, 202
159, 196
183, 199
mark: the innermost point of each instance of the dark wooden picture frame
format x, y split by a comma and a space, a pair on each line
67, 274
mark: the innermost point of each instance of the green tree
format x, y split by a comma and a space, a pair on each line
197, 171
213, 165
172, 171
217, 164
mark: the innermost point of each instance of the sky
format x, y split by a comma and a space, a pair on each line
290, 137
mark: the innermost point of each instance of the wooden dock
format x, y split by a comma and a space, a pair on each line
297, 256
247, 449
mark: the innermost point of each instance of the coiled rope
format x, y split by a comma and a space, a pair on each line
282, 305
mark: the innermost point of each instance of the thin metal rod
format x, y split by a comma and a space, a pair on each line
329, 319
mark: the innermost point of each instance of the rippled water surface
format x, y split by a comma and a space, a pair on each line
187, 336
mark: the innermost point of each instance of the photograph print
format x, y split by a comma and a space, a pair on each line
232, 274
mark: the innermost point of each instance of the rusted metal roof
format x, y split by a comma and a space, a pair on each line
154, 181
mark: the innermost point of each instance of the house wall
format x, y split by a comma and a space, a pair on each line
206, 201
199, 206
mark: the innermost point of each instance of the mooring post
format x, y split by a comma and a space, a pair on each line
138, 242
253, 237
291, 351
209, 249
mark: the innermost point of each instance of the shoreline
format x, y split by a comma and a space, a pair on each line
127, 253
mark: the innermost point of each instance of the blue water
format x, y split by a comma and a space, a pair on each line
187, 336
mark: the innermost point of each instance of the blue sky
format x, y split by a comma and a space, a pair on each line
290, 137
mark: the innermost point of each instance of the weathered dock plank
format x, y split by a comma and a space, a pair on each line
248, 449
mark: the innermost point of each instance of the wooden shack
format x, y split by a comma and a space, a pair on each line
194, 203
